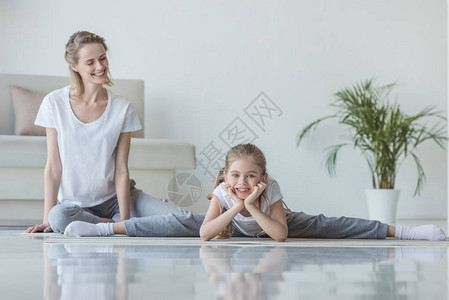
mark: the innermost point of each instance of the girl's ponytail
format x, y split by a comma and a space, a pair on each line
219, 179
228, 231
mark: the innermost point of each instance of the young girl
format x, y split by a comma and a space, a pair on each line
246, 202
88, 130
249, 203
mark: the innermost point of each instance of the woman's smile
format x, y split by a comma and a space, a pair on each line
100, 74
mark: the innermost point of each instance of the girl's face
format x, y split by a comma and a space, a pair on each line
92, 65
242, 175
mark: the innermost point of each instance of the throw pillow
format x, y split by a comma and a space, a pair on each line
26, 105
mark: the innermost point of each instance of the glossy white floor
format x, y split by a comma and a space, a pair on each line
33, 269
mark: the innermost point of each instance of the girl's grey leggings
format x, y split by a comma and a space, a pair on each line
300, 225
152, 217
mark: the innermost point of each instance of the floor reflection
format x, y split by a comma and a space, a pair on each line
76, 271
244, 272
100, 271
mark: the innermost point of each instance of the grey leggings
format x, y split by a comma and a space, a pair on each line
300, 225
141, 205
155, 218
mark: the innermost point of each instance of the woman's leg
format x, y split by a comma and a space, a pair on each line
143, 205
62, 215
301, 225
108, 211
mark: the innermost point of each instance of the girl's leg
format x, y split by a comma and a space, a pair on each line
186, 224
391, 231
80, 228
181, 224
62, 215
424, 232
156, 218
150, 217
119, 228
301, 225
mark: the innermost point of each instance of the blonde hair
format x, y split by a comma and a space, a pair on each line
235, 153
76, 42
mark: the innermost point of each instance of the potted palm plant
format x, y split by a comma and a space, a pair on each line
385, 135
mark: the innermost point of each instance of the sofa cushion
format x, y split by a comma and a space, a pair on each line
159, 154
26, 105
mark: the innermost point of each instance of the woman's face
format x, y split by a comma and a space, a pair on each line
92, 65
242, 175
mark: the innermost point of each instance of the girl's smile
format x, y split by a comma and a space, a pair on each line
244, 192
243, 175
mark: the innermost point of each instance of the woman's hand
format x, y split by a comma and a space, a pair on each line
257, 191
230, 191
39, 228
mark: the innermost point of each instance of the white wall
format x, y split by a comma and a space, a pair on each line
203, 62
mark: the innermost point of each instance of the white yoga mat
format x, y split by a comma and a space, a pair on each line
124, 240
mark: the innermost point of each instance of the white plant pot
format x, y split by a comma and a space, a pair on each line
382, 204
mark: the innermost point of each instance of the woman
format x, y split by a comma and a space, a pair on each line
88, 129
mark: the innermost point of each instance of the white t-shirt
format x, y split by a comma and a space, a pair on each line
248, 225
87, 150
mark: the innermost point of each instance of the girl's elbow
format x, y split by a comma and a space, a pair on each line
204, 236
281, 239
205, 239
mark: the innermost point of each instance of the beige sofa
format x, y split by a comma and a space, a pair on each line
152, 162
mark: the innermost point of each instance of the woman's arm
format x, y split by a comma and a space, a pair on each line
215, 222
52, 180
121, 174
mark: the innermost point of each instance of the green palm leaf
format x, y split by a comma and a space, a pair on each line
384, 134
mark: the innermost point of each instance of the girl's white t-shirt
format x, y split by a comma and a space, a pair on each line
248, 225
87, 150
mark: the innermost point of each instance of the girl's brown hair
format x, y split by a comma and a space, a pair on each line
235, 153
77, 41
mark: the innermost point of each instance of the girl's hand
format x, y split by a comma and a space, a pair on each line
230, 191
257, 191
39, 228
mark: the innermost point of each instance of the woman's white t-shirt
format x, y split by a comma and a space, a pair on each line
87, 150
248, 225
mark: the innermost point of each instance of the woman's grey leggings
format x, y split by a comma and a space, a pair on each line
141, 204
154, 218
